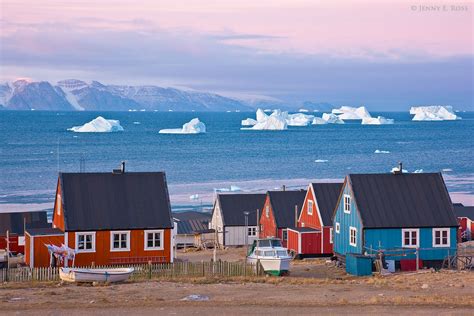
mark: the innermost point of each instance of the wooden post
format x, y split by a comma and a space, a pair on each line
258, 223
8, 253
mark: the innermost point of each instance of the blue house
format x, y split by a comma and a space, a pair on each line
398, 214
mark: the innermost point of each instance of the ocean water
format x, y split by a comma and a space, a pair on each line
34, 146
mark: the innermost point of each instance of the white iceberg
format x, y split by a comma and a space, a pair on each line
319, 121
98, 125
379, 120
397, 169
299, 119
320, 160
331, 118
433, 113
303, 110
276, 121
418, 171
194, 197
351, 113
267, 110
248, 122
136, 123
192, 127
378, 151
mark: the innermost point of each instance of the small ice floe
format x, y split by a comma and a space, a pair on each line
98, 125
132, 110
418, 171
378, 151
447, 170
194, 197
397, 169
380, 120
142, 110
136, 123
170, 110
303, 110
75, 136
196, 298
192, 127
228, 111
332, 118
320, 160
433, 113
248, 122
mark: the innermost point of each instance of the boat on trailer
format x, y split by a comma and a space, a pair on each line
95, 275
273, 257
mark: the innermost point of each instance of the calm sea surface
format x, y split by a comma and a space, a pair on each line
35, 145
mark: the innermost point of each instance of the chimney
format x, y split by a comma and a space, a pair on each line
283, 187
121, 170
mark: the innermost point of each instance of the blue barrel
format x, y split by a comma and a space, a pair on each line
357, 264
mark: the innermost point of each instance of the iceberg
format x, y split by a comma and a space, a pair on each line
303, 110
379, 120
276, 121
192, 127
98, 125
194, 197
397, 169
433, 113
320, 160
378, 151
418, 171
299, 119
351, 113
319, 121
248, 122
332, 118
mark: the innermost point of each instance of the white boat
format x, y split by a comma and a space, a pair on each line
272, 255
95, 275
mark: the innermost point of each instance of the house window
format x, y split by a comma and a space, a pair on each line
153, 239
338, 228
347, 203
284, 234
120, 241
353, 236
410, 238
267, 211
85, 242
441, 237
310, 207
252, 231
330, 236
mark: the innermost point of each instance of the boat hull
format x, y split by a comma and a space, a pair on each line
95, 275
273, 266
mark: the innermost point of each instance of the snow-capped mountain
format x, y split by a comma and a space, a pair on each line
77, 95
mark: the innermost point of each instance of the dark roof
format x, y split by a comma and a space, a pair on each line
192, 222
326, 196
304, 229
402, 200
14, 222
109, 201
233, 207
43, 231
283, 206
464, 211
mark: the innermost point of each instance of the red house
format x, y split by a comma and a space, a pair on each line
280, 211
108, 218
15, 224
465, 215
313, 234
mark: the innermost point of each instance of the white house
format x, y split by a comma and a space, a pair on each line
229, 215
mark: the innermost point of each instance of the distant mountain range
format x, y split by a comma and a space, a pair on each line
77, 95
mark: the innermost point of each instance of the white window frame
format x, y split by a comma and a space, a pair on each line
441, 230
112, 233
338, 228
267, 211
348, 209
331, 236
251, 231
352, 229
283, 231
310, 207
77, 242
154, 231
411, 230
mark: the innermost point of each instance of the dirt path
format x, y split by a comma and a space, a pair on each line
427, 293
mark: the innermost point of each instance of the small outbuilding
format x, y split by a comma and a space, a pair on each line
465, 215
188, 224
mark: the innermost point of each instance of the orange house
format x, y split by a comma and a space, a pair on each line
111, 218
313, 236
280, 211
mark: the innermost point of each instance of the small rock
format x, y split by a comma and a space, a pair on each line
425, 286
381, 294
92, 302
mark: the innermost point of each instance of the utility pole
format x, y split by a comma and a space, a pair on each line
246, 228
8, 250
258, 223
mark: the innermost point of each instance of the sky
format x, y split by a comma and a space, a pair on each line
387, 55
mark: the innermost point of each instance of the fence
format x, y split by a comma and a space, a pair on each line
146, 271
